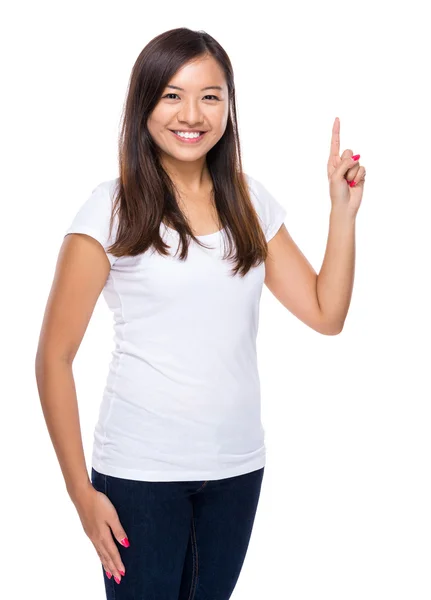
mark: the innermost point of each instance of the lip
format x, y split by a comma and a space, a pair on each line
188, 130
190, 140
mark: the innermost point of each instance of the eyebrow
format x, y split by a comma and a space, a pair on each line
210, 87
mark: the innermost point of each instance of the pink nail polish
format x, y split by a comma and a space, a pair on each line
125, 542
356, 157
116, 579
122, 572
108, 574
352, 183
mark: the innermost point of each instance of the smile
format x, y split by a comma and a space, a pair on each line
189, 138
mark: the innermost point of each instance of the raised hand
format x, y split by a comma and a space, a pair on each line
346, 177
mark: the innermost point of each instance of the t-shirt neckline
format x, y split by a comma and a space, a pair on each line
207, 235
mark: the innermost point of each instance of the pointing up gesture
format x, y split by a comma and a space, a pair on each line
346, 177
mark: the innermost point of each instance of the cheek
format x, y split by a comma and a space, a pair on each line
224, 117
218, 121
158, 119
223, 123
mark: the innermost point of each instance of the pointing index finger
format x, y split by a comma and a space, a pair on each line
335, 140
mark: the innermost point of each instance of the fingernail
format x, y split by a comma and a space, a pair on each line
356, 157
352, 183
122, 572
108, 574
116, 579
125, 542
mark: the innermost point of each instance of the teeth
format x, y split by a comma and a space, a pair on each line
187, 134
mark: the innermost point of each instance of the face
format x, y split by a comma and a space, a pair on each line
191, 107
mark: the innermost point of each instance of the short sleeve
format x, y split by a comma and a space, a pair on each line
270, 211
94, 215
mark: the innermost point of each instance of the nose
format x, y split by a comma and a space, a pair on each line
190, 114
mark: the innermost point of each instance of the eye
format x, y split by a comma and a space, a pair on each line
207, 96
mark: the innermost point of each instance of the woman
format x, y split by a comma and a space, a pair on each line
180, 244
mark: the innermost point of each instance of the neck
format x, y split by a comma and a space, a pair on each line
188, 176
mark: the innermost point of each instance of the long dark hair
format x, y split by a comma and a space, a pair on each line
145, 196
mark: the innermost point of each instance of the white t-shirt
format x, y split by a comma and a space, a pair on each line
182, 397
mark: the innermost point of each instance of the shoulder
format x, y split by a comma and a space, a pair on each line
260, 195
251, 183
98, 204
94, 215
104, 192
271, 212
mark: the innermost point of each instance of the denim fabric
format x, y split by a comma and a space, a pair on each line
188, 539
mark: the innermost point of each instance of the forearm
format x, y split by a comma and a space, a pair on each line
335, 280
57, 394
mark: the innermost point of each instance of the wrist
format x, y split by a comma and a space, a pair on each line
343, 213
78, 493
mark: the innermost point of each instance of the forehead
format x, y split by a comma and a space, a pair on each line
198, 73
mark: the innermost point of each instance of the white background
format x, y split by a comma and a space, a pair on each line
344, 512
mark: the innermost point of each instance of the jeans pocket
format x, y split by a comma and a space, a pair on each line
98, 480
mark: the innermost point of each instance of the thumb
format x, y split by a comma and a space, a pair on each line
118, 531
346, 164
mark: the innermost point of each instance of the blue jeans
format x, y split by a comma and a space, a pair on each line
188, 539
